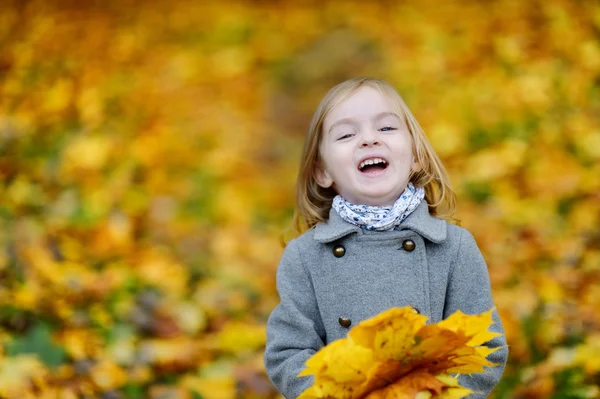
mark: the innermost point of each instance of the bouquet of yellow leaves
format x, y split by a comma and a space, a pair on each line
395, 355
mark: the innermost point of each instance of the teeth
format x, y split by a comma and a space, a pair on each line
371, 161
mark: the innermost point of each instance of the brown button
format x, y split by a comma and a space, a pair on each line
339, 251
409, 245
415, 310
344, 322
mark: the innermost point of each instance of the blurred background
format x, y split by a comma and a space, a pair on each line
148, 155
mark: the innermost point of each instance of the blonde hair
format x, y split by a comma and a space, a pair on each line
313, 201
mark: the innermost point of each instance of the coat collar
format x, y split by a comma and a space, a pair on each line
419, 221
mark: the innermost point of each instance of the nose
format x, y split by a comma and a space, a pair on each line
369, 139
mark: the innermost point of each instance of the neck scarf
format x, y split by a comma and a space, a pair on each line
380, 218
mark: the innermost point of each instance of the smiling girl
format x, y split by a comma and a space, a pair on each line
373, 199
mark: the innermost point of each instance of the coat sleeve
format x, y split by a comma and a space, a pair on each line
469, 290
295, 330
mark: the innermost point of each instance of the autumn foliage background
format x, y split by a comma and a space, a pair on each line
148, 152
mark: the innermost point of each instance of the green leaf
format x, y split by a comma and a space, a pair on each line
133, 391
38, 340
196, 395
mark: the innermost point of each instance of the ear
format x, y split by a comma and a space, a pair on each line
322, 177
415, 167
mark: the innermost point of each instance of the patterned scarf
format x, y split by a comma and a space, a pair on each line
380, 218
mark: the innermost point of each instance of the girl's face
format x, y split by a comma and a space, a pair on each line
366, 150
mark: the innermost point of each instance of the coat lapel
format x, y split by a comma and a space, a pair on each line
421, 222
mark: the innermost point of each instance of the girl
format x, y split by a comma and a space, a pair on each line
369, 189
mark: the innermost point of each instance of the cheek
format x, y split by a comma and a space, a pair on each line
330, 158
324, 153
405, 153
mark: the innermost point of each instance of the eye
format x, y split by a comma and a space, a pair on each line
387, 129
345, 136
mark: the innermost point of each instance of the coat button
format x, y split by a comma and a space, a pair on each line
408, 245
344, 322
339, 251
415, 310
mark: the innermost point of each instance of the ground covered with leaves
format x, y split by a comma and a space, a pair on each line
148, 153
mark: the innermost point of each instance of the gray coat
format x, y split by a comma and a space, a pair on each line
338, 271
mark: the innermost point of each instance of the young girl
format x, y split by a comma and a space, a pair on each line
369, 189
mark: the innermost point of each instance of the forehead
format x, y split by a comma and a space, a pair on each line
363, 104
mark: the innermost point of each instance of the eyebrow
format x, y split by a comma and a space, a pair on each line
352, 121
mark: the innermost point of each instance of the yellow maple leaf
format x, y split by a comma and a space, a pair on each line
473, 326
389, 334
396, 355
352, 363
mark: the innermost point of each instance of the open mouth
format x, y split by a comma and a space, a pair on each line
372, 165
